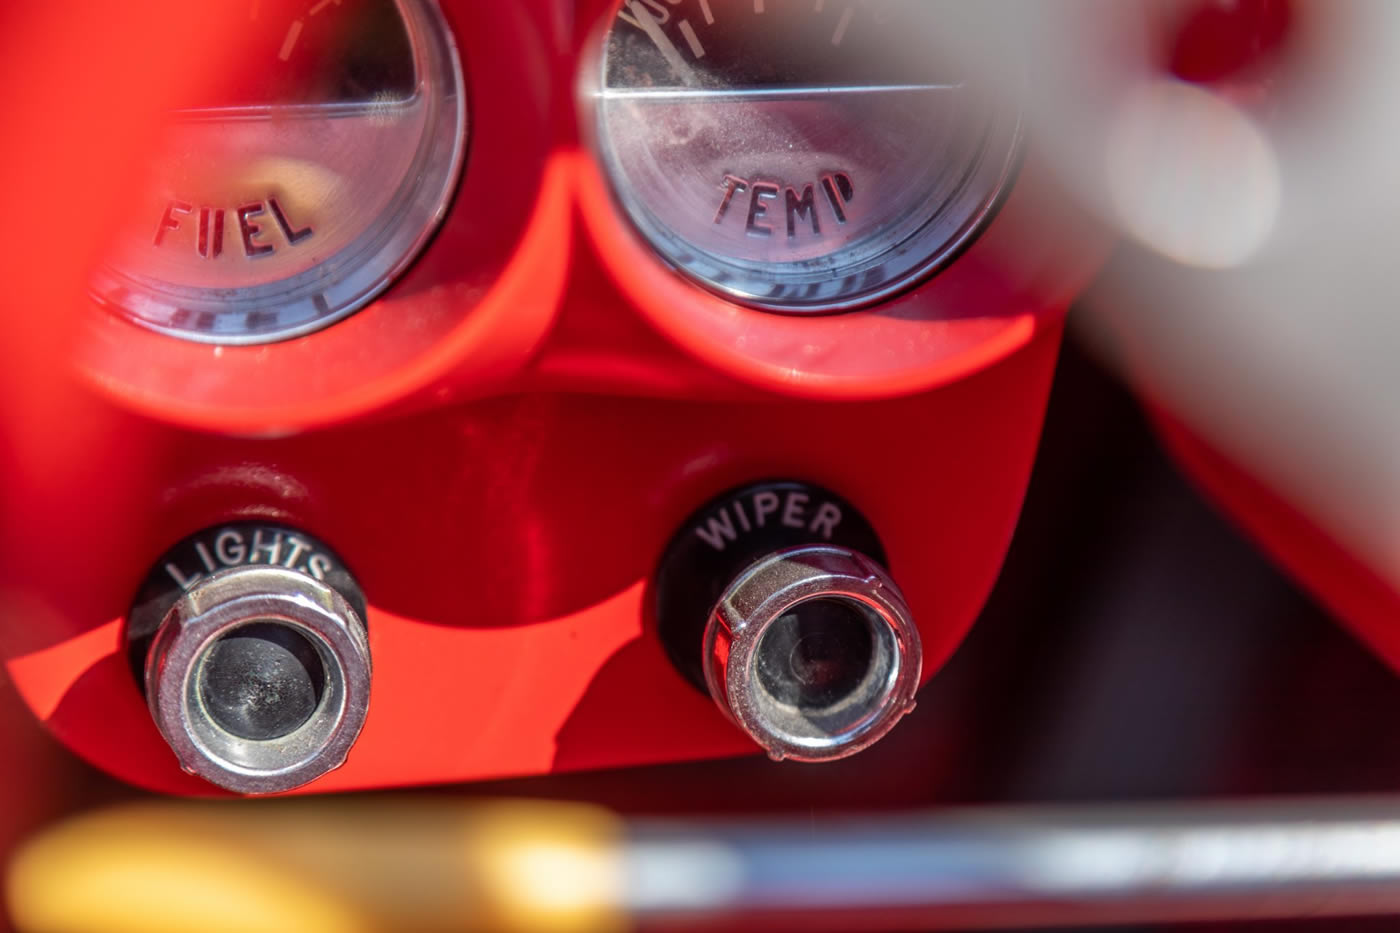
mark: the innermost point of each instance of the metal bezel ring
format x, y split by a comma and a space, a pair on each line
354, 276
221, 604
819, 287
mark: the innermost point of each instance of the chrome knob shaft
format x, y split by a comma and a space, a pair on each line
813, 652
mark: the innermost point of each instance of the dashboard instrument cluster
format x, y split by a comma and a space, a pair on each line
489, 389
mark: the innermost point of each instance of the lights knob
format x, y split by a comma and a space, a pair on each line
256, 665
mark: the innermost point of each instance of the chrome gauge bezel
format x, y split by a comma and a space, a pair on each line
353, 276
823, 287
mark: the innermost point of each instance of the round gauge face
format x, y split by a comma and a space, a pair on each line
798, 155
304, 182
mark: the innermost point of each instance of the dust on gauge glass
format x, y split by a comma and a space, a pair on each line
303, 182
798, 155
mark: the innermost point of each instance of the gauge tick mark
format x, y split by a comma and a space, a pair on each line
691, 38
652, 27
290, 42
842, 26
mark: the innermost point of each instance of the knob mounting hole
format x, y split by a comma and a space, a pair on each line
261, 681
817, 654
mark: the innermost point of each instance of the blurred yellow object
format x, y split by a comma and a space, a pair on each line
438, 863
343, 865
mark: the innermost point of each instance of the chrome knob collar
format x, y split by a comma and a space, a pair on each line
813, 652
191, 702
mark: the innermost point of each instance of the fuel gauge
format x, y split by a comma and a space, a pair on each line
798, 155
304, 182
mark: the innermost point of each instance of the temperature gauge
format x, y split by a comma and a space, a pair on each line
798, 155
304, 183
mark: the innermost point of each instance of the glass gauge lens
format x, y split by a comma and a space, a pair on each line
798, 155
340, 52
304, 182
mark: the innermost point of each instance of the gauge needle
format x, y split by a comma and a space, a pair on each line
663, 42
791, 92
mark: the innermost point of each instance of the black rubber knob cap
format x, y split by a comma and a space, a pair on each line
730, 534
227, 547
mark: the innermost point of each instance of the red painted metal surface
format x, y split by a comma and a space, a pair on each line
504, 443
1343, 582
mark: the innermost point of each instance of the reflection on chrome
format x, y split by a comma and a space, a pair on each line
1045, 866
